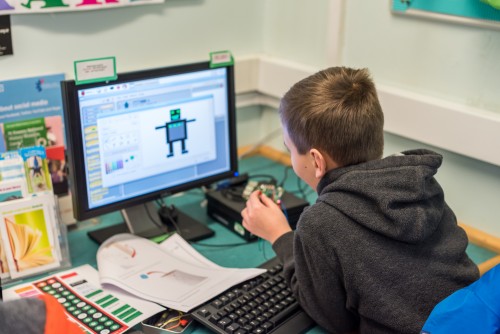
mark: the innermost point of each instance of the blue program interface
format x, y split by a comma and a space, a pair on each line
146, 135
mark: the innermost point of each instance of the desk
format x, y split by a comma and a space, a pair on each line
83, 249
245, 255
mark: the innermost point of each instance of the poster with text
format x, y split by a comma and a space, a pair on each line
31, 113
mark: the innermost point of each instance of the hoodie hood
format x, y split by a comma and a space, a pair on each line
397, 196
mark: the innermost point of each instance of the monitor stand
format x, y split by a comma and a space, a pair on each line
138, 221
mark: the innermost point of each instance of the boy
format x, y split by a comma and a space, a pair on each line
380, 247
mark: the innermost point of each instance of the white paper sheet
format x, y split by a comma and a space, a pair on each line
174, 274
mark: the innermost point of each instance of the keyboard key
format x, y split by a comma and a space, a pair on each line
217, 303
231, 329
224, 322
281, 316
267, 326
241, 331
214, 319
243, 321
204, 312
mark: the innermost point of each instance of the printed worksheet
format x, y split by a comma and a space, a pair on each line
96, 309
174, 274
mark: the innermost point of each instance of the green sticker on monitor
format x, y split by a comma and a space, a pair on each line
95, 70
220, 59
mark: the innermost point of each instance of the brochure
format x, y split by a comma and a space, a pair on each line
36, 169
172, 274
12, 189
31, 114
4, 267
94, 308
11, 166
27, 229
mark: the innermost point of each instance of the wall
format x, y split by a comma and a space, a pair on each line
456, 62
452, 62
295, 30
436, 59
175, 32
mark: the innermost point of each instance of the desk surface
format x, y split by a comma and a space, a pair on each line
242, 254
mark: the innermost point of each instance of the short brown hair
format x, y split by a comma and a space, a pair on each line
336, 111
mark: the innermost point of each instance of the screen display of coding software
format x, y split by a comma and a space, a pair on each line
147, 135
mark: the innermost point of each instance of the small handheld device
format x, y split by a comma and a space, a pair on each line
270, 190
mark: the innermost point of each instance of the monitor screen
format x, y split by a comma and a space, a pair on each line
147, 134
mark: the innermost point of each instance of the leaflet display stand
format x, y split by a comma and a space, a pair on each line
32, 238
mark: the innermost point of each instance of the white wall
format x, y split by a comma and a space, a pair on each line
177, 31
295, 30
452, 62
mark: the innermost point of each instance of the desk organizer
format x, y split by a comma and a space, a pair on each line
169, 321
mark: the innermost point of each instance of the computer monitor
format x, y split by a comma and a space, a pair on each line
146, 135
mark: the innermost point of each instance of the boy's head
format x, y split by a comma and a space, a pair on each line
337, 112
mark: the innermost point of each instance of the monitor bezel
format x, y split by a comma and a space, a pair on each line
75, 151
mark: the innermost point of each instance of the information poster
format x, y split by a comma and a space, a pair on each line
31, 114
5, 36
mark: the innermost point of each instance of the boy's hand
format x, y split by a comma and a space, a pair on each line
264, 218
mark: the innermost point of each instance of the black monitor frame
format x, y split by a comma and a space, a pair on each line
76, 164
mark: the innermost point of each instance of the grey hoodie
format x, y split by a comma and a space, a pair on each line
379, 249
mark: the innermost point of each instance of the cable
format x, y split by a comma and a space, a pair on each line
285, 176
160, 226
162, 204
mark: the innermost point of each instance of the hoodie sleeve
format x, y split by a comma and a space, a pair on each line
315, 283
25, 316
43, 315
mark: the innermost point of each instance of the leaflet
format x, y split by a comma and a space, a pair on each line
172, 274
86, 302
29, 238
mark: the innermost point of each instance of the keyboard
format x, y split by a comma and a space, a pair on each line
263, 304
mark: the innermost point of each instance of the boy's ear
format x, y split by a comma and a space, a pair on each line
319, 163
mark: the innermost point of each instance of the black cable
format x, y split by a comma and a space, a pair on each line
162, 204
285, 176
160, 226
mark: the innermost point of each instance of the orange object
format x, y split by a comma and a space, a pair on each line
56, 320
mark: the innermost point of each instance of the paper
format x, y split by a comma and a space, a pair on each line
5, 36
92, 307
11, 166
173, 274
31, 113
95, 70
27, 228
12, 189
36, 169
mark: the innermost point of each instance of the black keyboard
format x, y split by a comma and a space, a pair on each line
263, 304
